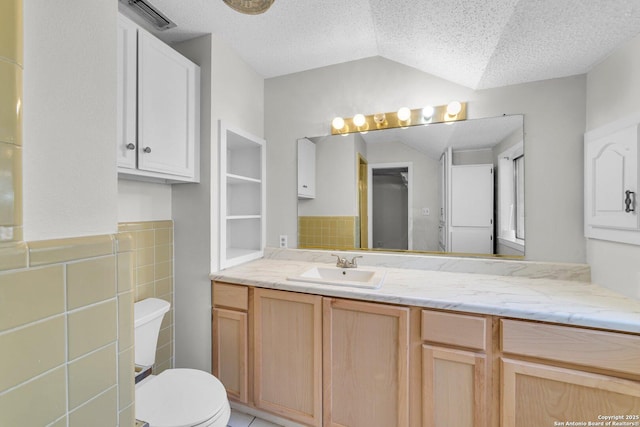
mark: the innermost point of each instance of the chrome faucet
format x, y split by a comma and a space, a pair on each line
343, 262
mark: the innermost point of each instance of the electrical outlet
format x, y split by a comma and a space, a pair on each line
283, 240
425, 211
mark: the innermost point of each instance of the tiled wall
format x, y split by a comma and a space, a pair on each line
11, 120
327, 232
66, 332
153, 276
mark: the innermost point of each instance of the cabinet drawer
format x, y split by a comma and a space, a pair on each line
599, 349
231, 296
454, 329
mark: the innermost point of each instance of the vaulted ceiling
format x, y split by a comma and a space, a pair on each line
475, 43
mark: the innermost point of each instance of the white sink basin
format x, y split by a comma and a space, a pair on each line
355, 277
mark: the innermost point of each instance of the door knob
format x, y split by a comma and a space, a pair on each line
147, 149
131, 146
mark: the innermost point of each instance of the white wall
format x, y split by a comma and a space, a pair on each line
613, 91
336, 188
233, 92
143, 201
69, 109
303, 104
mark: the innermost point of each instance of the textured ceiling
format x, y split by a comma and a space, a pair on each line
475, 43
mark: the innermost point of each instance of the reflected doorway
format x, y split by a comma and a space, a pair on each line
389, 214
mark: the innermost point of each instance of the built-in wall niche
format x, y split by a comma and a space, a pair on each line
242, 196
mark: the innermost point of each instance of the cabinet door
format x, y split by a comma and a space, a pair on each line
127, 49
453, 388
611, 169
288, 355
535, 395
365, 357
230, 352
168, 107
306, 169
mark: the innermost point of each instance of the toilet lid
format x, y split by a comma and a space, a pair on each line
180, 398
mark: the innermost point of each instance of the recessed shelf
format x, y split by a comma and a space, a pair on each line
233, 179
242, 196
237, 217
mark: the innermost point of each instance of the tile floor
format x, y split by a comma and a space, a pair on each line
239, 419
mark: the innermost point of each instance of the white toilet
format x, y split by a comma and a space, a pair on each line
175, 397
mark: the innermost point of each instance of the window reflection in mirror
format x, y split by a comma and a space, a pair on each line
445, 211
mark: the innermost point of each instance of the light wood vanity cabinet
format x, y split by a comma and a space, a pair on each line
333, 362
553, 373
456, 372
366, 364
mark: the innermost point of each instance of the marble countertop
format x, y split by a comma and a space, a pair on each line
543, 299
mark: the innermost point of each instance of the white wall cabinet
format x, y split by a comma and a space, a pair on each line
611, 183
306, 169
158, 109
242, 196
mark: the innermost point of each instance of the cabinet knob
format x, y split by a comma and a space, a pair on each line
147, 149
131, 146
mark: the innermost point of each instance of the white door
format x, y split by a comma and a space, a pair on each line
167, 105
611, 170
471, 229
126, 140
472, 195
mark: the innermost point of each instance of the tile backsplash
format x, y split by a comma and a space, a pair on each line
66, 332
327, 232
11, 63
152, 262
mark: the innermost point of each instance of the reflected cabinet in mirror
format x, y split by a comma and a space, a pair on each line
454, 188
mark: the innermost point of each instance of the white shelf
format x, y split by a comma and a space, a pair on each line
233, 179
236, 217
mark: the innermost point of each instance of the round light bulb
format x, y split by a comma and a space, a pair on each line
359, 120
404, 114
427, 112
453, 108
338, 123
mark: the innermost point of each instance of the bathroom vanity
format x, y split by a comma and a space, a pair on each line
428, 348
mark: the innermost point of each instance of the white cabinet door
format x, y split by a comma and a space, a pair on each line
306, 169
127, 51
611, 171
168, 105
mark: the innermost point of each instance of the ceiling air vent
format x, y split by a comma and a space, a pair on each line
150, 14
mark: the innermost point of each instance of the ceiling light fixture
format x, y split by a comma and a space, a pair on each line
404, 117
250, 7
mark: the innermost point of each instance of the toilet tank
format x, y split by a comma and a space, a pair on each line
147, 315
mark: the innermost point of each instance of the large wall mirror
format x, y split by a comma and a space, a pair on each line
440, 188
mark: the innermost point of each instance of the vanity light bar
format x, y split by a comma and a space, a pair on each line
404, 117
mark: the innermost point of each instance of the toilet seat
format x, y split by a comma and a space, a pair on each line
182, 398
